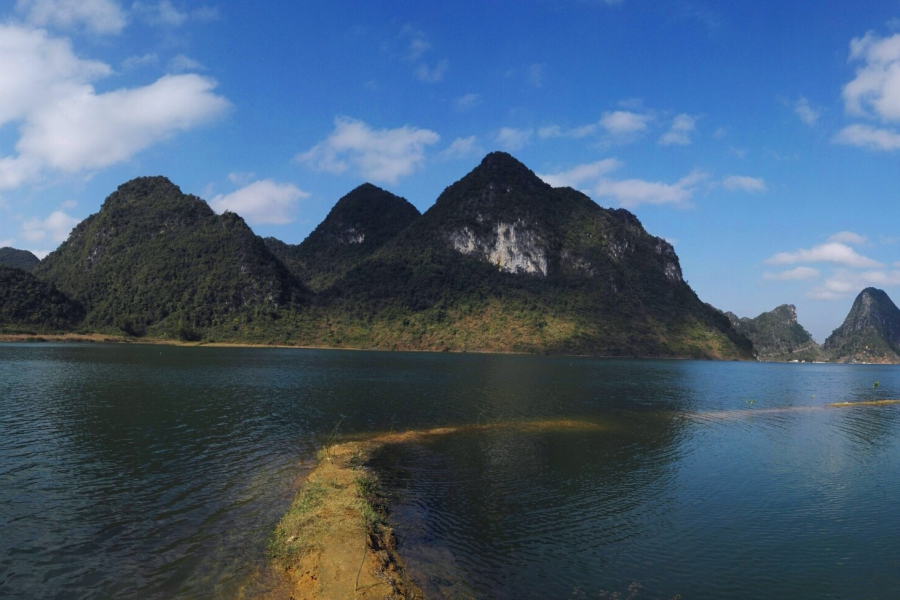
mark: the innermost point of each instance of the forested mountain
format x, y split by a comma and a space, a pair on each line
501, 262
29, 304
777, 336
870, 333
154, 260
358, 225
20, 259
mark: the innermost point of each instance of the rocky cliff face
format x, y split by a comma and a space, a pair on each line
870, 333
504, 261
512, 247
777, 336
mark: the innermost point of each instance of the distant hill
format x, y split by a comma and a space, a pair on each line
870, 333
777, 336
29, 304
359, 224
502, 261
19, 259
154, 260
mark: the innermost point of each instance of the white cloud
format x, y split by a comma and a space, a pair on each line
536, 75
744, 183
513, 139
832, 252
630, 193
182, 63
377, 154
876, 89
844, 282
66, 125
555, 131
623, 125
806, 112
848, 237
41, 254
433, 74
261, 202
467, 102
869, 137
91, 131
55, 228
418, 42
95, 16
463, 148
69, 204
136, 62
582, 174
797, 274
680, 132
160, 13
241, 178
7, 243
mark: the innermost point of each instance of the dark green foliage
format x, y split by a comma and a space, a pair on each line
610, 288
27, 304
502, 261
20, 259
870, 333
154, 260
777, 336
359, 224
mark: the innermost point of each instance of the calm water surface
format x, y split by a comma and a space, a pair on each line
158, 472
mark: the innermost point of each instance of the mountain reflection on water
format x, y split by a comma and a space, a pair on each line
146, 471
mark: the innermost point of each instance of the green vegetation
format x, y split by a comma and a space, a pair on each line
777, 336
358, 225
870, 333
19, 259
156, 262
375, 274
29, 305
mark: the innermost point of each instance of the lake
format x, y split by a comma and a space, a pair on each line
135, 471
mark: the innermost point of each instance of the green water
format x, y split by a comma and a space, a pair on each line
158, 472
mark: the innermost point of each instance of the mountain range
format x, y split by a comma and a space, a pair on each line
501, 262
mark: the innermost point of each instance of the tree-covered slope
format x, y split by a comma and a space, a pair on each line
154, 260
777, 336
358, 225
870, 333
502, 261
19, 259
29, 304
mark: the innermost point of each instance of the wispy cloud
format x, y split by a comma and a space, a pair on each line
261, 202
679, 133
463, 148
581, 174
844, 282
55, 228
806, 112
376, 154
744, 183
433, 74
95, 16
536, 75
512, 138
866, 136
832, 252
848, 237
796, 274
467, 102
631, 193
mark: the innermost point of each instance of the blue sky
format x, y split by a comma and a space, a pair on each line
762, 138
